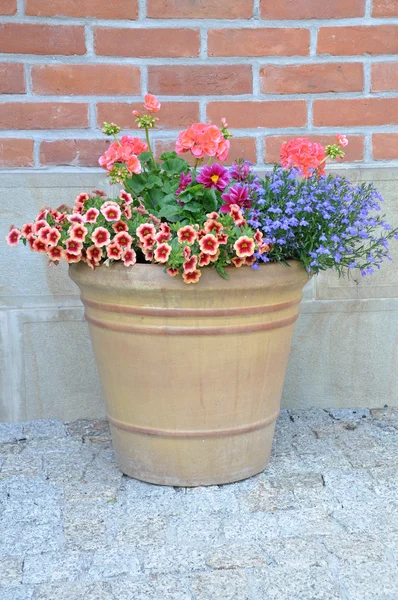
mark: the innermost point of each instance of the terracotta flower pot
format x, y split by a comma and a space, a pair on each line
192, 375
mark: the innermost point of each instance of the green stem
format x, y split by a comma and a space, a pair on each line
114, 135
150, 147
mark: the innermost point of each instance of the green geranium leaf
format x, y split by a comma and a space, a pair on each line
169, 211
175, 166
145, 157
167, 155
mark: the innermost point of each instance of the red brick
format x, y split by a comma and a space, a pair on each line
358, 112
311, 9
271, 41
43, 115
385, 8
16, 153
385, 146
85, 79
77, 153
199, 9
384, 77
198, 80
164, 43
353, 152
31, 38
103, 9
347, 41
240, 148
12, 78
272, 114
311, 79
8, 7
172, 115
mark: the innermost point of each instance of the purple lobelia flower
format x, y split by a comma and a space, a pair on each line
214, 176
237, 194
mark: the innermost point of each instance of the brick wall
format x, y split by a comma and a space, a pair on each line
269, 66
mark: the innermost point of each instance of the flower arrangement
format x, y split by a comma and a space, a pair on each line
188, 217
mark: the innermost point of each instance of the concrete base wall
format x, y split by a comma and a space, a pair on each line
345, 350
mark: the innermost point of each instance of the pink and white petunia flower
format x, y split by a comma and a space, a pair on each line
114, 251
162, 253
78, 232
129, 257
123, 239
91, 215
73, 246
111, 211
146, 230
53, 237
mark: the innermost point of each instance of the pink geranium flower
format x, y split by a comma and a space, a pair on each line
342, 140
202, 139
151, 103
214, 176
303, 155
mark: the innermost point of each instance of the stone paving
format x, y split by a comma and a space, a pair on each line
321, 523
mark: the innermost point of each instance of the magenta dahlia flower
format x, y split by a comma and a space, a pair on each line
237, 194
214, 176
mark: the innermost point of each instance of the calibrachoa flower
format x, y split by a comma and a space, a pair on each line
78, 232
114, 251
192, 277
214, 176
120, 226
244, 246
53, 237
145, 231
94, 253
129, 257
73, 246
111, 211
55, 253
101, 236
190, 264
187, 235
123, 238
91, 215
162, 253
209, 244
13, 237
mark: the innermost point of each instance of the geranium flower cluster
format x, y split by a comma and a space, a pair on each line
98, 230
205, 140
310, 157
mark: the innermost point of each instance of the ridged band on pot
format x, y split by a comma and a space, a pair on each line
191, 374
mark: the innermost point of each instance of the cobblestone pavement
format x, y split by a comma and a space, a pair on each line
321, 523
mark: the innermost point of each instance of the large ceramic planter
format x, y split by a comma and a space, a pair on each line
192, 375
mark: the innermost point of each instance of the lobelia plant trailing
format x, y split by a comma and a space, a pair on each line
189, 217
